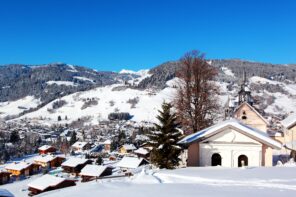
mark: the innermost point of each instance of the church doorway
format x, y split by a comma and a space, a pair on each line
242, 161
216, 159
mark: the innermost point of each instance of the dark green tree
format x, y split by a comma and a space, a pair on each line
73, 138
99, 160
164, 139
14, 137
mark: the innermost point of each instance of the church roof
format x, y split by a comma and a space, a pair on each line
244, 129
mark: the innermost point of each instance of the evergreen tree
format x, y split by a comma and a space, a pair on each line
73, 138
99, 160
164, 139
14, 137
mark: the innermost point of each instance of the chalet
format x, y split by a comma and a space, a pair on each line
92, 172
75, 165
49, 161
4, 177
107, 145
81, 146
131, 162
127, 148
142, 152
289, 128
48, 183
46, 149
230, 144
22, 168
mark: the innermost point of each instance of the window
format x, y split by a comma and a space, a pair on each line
244, 117
216, 159
242, 161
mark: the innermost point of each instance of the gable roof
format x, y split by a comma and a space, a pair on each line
253, 109
45, 147
242, 128
79, 144
73, 162
18, 166
46, 181
93, 170
129, 147
46, 158
289, 121
130, 162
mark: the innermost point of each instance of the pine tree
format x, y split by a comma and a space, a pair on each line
164, 139
14, 137
73, 138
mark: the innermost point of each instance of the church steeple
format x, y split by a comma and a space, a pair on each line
245, 94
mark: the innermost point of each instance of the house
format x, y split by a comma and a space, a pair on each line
48, 183
46, 149
81, 146
142, 152
49, 161
75, 165
131, 162
107, 145
248, 115
289, 130
127, 148
22, 168
230, 144
92, 172
4, 177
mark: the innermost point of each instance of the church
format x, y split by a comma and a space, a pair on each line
240, 140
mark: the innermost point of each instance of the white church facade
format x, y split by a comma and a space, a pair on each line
230, 144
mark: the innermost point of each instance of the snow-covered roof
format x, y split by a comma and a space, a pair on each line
44, 147
107, 141
130, 162
73, 162
93, 170
45, 158
244, 129
46, 181
289, 121
129, 147
18, 166
5, 193
142, 151
79, 144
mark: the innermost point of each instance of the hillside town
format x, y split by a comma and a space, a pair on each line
52, 158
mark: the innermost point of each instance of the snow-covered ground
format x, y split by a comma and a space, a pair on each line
109, 100
207, 181
15, 107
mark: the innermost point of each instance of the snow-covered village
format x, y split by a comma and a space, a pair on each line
147, 98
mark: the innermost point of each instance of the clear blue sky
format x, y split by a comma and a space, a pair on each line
136, 34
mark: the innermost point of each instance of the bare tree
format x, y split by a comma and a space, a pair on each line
196, 100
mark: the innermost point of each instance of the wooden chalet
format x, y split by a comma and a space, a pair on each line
46, 149
75, 165
48, 183
49, 161
22, 168
92, 172
81, 146
4, 177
